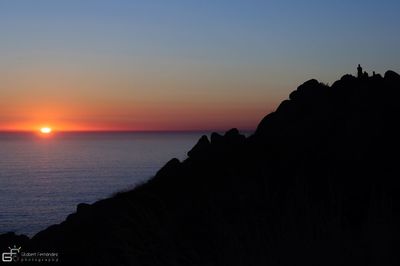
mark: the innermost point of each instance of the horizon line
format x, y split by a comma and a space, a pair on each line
130, 131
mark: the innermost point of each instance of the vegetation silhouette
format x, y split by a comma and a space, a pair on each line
316, 184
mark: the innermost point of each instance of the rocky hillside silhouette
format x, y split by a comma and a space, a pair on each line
316, 184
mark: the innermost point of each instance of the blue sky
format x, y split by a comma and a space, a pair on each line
208, 54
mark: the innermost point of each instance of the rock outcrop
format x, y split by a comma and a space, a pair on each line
316, 184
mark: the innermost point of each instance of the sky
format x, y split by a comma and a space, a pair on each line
179, 65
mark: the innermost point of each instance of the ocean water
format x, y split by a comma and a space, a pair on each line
42, 179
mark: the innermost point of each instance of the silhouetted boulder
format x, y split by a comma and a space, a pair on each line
347, 78
392, 76
285, 106
216, 138
232, 133
200, 148
171, 165
307, 91
233, 136
266, 123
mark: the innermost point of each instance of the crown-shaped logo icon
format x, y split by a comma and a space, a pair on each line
14, 249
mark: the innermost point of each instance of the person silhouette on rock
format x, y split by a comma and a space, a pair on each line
359, 71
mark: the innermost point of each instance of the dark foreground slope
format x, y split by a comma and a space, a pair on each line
317, 184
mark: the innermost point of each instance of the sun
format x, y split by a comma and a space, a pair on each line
45, 130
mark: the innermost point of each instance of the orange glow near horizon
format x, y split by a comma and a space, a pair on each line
151, 118
195, 123
152, 123
88, 104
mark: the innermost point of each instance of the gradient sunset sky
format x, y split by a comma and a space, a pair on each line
179, 65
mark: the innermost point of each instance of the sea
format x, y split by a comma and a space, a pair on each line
43, 178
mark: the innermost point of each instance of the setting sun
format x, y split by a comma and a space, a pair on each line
45, 130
